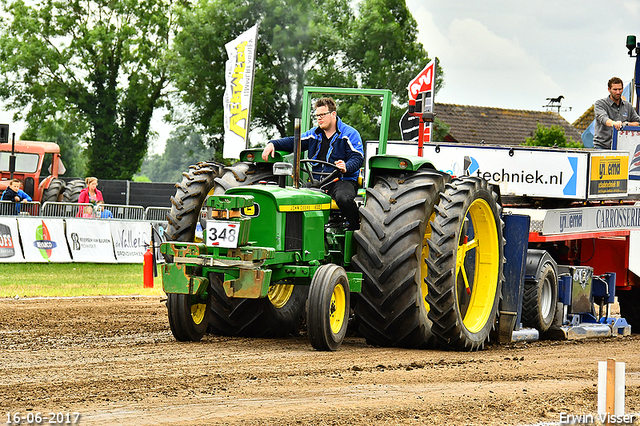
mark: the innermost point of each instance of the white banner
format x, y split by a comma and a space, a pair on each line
518, 170
130, 240
10, 248
90, 241
43, 240
237, 96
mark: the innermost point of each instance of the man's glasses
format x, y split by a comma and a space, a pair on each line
321, 115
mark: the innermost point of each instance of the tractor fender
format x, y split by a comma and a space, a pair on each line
536, 259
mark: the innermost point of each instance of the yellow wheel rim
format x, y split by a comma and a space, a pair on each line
280, 294
198, 311
423, 264
337, 309
480, 278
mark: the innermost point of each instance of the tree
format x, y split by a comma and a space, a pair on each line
103, 61
300, 42
551, 136
183, 148
66, 132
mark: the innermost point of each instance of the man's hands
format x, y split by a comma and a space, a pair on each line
269, 149
341, 165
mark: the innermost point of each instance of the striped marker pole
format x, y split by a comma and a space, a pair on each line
611, 389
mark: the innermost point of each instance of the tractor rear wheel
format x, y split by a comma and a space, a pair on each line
466, 257
278, 314
539, 300
391, 252
72, 191
328, 308
54, 192
188, 316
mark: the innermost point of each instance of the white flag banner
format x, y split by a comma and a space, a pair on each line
90, 241
130, 240
10, 249
237, 97
43, 240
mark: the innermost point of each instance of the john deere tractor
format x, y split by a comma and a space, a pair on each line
425, 268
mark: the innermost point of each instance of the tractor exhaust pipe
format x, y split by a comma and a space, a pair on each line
296, 153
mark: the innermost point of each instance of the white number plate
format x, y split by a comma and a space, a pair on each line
222, 234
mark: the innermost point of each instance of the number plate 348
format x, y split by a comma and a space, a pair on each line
222, 234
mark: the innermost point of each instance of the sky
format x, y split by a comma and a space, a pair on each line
515, 54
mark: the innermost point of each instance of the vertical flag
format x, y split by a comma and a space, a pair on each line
425, 81
240, 69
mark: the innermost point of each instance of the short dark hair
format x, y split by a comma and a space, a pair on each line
615, 80
15, 180
328, 102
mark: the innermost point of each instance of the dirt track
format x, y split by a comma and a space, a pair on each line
114, 361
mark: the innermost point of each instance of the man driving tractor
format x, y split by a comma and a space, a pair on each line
336, 143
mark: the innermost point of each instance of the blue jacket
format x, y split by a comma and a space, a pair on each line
346, 145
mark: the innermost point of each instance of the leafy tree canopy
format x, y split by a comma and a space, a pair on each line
102, 61
300, 42
553, 136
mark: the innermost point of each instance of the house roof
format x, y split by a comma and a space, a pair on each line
497, 126
585, 119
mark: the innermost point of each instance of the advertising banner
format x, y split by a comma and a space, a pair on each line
130, 240
424, 82
43, 240
608, 176
629, 140
518, 171
10, 249
90, 241
591, 219
237, 96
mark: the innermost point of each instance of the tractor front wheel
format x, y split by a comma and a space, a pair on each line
328, 308
466, 257
188, 316
539, 300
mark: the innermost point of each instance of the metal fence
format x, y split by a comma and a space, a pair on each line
84, 210
26, 208
156, 213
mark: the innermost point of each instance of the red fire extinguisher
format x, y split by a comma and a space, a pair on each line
148, 265
147, 268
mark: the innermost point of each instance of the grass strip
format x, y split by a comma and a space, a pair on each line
74, 279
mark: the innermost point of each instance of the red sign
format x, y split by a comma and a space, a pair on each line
423, 81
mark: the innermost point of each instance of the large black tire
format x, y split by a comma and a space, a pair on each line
54, 192
72, 191
539, 300
279, 314
187, 203
188, 316
466, 257
629, 301
243, 174
328, 308
391, 249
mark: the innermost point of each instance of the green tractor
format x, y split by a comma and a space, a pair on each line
425, 268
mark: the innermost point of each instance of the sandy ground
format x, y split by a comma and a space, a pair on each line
114, 361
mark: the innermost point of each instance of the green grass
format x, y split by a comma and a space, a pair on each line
74, 279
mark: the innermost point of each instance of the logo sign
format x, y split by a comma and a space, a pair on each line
6, 242
425, 81
608, 175
253, 211
629, 140
43, 241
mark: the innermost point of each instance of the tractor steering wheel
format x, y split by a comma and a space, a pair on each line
328, 176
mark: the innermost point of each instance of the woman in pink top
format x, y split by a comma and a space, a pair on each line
91, 194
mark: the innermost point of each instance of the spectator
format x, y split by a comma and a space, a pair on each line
91, 194
87, 211
15, 194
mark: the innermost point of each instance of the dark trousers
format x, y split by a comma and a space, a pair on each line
344, 192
